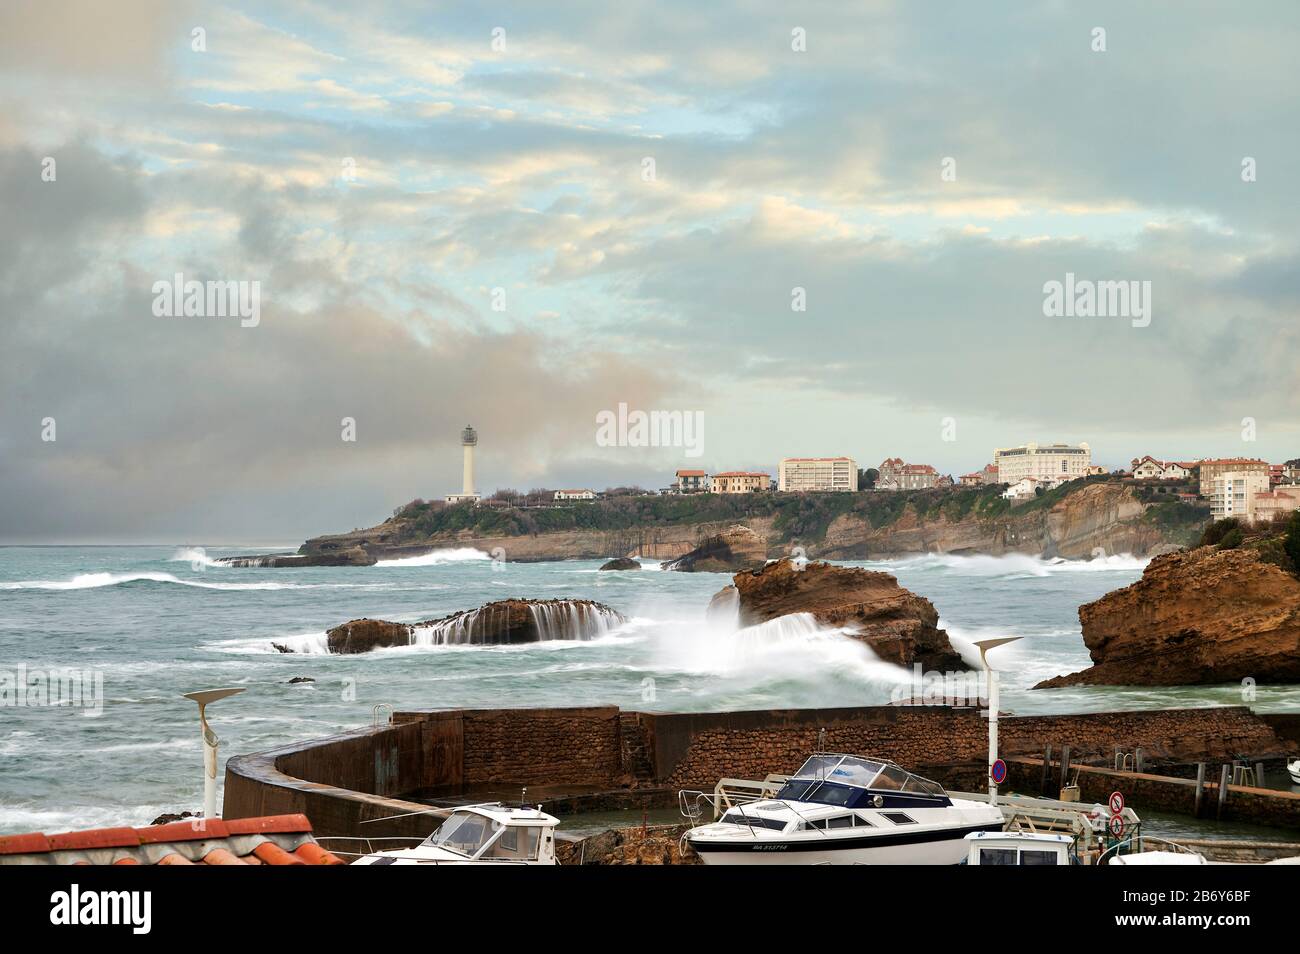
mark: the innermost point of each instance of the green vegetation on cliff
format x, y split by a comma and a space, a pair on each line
1276, 542
795, 517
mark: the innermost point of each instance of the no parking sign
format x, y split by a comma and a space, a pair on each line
998, 771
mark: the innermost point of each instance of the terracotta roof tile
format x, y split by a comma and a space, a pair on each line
268, 823
33, 843
273, 840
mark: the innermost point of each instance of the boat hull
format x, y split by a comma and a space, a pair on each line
935, 847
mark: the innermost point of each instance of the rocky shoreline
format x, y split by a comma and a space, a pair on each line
1196, 617
1104, 517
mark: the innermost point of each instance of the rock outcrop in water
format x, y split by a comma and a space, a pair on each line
351, 556
898, 625
493, 624
1196, 616
622, 563
736, 548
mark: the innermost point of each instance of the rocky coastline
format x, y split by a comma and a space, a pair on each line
1093, 517
1196, 617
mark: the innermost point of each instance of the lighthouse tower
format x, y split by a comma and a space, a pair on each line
468, 441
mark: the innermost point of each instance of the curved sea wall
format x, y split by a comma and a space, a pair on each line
347, 782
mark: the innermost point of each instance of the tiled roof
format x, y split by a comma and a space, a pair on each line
690, 473
742, 473
269, 840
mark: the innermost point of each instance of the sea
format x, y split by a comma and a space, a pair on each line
99, 644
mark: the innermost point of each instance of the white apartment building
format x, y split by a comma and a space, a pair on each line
575, 495
1025, 488
816, 473
1233, 494
1042, 461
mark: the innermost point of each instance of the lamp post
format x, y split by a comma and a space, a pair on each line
984, 646
210, 741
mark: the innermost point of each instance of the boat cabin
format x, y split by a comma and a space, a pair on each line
848, 781
1019, 848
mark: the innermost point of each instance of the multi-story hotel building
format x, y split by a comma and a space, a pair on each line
741, 482
816, 473
1041, 461
692, 482
1211, 470
1232, 494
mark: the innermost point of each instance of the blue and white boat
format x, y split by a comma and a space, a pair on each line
842, 809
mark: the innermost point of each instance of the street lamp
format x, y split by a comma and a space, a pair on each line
203, 697
984, 646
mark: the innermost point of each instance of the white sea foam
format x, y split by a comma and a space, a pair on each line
438, 558
195, 556
1014, 564
88, 581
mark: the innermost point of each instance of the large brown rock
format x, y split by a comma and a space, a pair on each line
363, 635
736, 548
503, 621
898, 625
1195, 617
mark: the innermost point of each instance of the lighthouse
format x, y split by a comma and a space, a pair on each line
468, 441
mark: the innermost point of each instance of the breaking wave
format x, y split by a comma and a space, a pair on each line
438, 557
1013, 565
90, 581
489, 625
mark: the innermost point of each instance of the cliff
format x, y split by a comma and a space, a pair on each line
1195, 617
1074, 521
898, 625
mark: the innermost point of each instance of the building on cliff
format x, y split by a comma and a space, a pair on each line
691, 482
1217, 467
796, 474
1232, 494
896, 475
740, 482
1042, 461
575, 495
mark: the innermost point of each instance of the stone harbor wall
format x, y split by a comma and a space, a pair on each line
697, 750
363, 775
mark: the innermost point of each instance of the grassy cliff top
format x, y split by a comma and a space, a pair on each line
795, 516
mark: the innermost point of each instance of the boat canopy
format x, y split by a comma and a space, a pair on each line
878, 775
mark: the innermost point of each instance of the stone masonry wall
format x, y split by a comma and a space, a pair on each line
930, 736
542, 746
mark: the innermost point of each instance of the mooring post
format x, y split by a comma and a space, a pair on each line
1259, 774
1137, 759
1047, 768
1200, 789
1065, 765
1223, 790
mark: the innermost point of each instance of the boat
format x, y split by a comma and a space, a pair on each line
844, 809
1015, 848
1293, 769
485, 834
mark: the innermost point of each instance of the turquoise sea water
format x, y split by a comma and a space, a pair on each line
154, 622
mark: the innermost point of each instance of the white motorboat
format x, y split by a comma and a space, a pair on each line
841, 809
1293, 769
488, 834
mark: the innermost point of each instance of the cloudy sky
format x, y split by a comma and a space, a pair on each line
521, 215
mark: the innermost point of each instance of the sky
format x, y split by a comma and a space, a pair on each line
818, 228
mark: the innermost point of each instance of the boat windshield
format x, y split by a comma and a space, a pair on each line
863, 773
464, 833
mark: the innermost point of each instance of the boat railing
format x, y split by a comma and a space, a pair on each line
365, 845
728, 793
